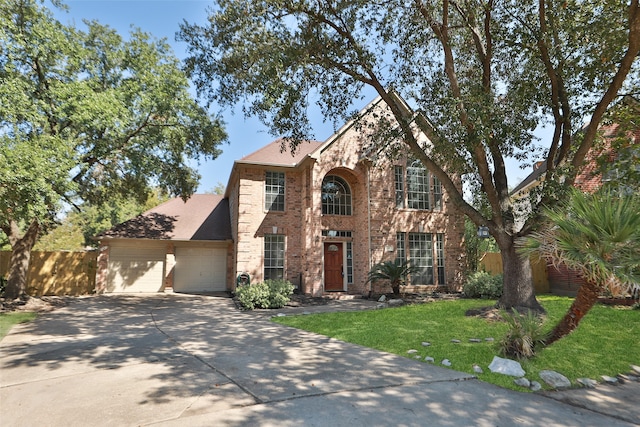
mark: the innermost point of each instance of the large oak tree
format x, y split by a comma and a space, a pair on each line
485, 74
85, 115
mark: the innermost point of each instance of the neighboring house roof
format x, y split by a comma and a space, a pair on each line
273, 154
201, 217
608, 132
538, 170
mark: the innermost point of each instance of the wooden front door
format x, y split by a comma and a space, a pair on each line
333, 273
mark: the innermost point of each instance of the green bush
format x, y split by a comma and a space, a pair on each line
524, 335
269, 294
483, 285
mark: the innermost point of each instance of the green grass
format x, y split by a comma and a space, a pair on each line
605, 343
7, 320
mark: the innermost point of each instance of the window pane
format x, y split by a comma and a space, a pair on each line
421, 256
417, 186
336, 196
437, 194
349, 263
401, 254
274, 191
273, 256
440, 258
399, 184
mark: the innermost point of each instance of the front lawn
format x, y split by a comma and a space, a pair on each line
605, 343
7, 320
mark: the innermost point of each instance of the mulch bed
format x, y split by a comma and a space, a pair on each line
33, 304
301, 300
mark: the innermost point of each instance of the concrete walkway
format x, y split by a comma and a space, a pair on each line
196, 361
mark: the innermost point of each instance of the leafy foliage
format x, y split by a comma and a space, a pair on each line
475, 246
599, 236
78, 229
524, 335
85, 116
395, 273
483, 285
268, 294
621, 168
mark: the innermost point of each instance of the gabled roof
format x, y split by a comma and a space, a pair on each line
272, 154
201, 217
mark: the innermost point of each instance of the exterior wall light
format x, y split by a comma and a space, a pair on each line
483, 232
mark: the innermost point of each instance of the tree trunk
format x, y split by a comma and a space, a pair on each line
518, 290
395, 287
20, 257
585, 299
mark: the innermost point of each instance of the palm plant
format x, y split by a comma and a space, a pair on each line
596, 234
395, 272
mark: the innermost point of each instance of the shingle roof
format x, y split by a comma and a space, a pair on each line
272, 153
608, 132
534, 176
201, 217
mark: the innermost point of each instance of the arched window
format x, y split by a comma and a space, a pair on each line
336, 196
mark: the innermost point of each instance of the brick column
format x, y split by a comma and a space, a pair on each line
102, 269
170, 264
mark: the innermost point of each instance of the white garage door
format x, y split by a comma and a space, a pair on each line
200, 270
135, 268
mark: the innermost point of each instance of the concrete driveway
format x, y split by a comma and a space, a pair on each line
197, 361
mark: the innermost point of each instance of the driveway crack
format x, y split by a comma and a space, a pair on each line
201, 360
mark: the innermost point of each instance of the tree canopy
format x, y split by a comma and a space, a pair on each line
78, 229
485, 74
86, 115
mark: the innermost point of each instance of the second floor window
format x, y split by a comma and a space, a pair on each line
274, 191
336, 196
416, 188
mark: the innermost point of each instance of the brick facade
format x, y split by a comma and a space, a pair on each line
370, 230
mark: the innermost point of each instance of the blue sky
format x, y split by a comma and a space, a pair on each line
162, 18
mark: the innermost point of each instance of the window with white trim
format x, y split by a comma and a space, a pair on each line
421, 257
416, 188
336, 196
440, 257
401, 249
424, 251
398, 172
274, 183
273, 256
437, 193
349, 262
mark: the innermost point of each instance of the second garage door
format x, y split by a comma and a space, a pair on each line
200, 270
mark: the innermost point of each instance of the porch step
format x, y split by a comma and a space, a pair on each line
340, 296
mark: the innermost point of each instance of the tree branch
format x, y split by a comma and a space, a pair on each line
630, 55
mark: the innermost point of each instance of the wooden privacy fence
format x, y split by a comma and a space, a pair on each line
492, 263
57, 273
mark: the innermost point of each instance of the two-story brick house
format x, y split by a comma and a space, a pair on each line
323, 216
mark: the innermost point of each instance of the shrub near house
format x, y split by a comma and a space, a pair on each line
268, 294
